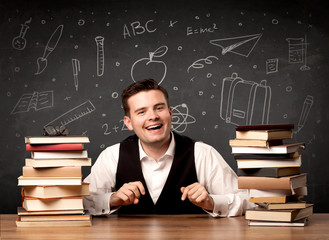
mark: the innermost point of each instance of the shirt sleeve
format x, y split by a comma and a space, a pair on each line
221, 182
102, 182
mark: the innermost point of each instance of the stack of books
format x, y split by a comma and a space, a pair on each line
269, 168
52, 187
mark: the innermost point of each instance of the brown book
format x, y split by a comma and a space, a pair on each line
68, 223
22, 212
58, 217
283, 215
264, 134
288, 205
52, 204
254, 142
32, 181
41, 163
288, 182
278, 149
56, 191
269, 172
299, 223
52, 172
277, 199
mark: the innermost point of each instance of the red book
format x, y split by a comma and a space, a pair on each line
55, 147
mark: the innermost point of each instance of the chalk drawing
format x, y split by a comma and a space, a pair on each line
50, 47
181, 118
19, 42
100, 55
305, 67
272, 65
242, 46
307, 105
172, 23
198, 64
149, 67
76, 70
244, 102
73, 114
35, 100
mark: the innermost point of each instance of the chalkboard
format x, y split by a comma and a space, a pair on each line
224, 63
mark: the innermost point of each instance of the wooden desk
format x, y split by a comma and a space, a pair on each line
168, 227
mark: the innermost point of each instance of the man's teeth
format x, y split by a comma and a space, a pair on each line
154, 127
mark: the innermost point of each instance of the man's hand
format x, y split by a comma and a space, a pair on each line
128, 194
198, 195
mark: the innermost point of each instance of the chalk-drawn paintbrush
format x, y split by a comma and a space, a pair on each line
51, 45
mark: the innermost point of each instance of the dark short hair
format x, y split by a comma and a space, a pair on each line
142, 85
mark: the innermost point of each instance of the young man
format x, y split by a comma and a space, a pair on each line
157, 171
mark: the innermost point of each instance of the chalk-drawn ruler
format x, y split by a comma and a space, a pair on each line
73, 114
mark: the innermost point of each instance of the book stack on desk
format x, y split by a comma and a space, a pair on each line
269, 168
52, 187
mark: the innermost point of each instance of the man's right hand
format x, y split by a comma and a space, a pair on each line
128, 194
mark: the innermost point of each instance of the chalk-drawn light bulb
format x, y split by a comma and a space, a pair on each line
100, 55
19, 42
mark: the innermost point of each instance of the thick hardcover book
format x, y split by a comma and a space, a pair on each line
277, 199
286, 215
268, 172
42, 163
52, 172
22, 212
250, 163
264, 127
299, 223
55, 147
55, 223
264, 134
289, 182
52, 204
56, 191
288, 205
254, 142
280, 149
56, 139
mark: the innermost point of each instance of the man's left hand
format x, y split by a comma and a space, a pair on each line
198, 195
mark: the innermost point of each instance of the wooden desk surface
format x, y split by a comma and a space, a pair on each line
168, 227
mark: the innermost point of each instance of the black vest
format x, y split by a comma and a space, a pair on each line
182, 173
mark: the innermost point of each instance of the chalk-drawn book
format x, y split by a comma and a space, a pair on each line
36, 101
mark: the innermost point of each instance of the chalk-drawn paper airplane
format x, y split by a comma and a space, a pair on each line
239, 45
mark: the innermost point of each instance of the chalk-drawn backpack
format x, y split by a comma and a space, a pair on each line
244, 102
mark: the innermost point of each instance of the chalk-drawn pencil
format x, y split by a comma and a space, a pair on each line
76, 70
308, 102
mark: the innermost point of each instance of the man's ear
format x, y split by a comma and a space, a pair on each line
127, 122
170, 112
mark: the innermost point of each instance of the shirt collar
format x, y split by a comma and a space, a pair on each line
170, 151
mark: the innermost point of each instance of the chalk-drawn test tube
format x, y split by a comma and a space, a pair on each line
100, 55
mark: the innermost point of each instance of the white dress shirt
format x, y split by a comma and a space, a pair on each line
212, 172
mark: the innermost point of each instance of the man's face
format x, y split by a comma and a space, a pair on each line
150, 117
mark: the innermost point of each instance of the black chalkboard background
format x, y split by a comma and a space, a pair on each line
193, 48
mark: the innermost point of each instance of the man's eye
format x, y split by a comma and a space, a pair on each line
159, 108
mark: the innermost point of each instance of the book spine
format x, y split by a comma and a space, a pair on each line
55, 147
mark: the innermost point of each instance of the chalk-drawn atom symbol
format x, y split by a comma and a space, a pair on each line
181, 118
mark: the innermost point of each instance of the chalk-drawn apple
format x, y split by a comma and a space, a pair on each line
150, 67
